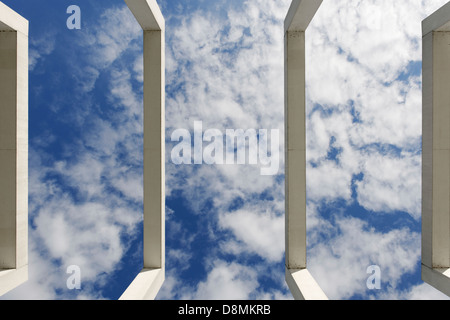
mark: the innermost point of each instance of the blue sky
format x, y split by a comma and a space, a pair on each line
225, 224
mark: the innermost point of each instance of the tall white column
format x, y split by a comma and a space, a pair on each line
301, 283
13, 149
149, 281
436, 150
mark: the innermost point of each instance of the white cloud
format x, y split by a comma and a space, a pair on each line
355, 52
227, 282
227, 75
391, 184
340, 264
117, 33
261, 233
86, 235
40, 47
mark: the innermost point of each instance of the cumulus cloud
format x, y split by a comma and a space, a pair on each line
365, 95
224, 281
391, 184
235, 282
340, 264
225, 70
261, 233
363, 119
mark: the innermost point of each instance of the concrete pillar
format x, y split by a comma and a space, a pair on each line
149, 281
295, 150
436, 150
301, 283
154, 149
13, 149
